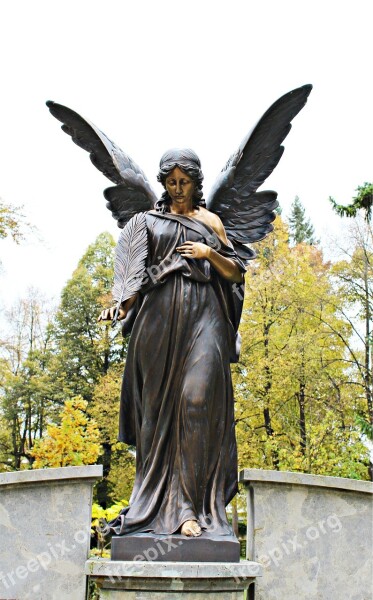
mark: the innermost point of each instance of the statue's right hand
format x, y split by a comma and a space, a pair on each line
108, 314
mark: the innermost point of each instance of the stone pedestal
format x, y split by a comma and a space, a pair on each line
45, 521
312, 534
180, 548
143, 580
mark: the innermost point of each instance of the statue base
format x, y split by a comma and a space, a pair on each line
176, 548
132, 580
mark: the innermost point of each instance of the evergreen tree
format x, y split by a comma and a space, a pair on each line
362, 201
301, 229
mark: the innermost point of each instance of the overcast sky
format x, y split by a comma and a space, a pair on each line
158, 74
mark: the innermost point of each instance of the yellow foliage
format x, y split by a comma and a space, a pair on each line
104, 408
75, 441
295, 407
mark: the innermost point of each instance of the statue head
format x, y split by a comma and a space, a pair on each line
188, 161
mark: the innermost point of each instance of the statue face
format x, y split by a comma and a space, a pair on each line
179, 186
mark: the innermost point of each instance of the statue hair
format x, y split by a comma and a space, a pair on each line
187, 161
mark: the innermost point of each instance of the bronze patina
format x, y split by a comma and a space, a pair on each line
183, 313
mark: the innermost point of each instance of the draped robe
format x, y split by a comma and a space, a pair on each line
177, 399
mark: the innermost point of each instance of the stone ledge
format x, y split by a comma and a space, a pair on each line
131, 580
290, 478
105, 568
54, 476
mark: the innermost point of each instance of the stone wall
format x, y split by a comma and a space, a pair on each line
45, 517
312, 534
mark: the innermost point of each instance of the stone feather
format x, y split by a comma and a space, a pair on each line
130, 259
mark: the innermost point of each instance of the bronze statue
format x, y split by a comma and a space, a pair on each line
179, 289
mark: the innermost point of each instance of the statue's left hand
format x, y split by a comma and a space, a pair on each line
194, 250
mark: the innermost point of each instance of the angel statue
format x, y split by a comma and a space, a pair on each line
178, 289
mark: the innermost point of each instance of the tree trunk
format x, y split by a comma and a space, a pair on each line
302, 417
267, 389
368, 355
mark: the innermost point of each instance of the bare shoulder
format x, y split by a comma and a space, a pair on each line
211, 219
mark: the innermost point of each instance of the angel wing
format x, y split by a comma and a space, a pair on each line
133, 193
247, 215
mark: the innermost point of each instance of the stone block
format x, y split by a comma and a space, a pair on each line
312, 534
146, 580
179, 548
45, 517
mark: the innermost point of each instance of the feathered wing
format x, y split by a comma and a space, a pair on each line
133, 192
247, 215
130, 260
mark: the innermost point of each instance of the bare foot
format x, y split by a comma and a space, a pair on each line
191, 529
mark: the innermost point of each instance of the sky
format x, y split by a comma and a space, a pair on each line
158, 74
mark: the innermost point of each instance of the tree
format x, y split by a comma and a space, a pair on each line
301, 229
25, 388
75, 441
83, 348
11, 222
46, 361
354, 278
294, 407
362, 201
117, 458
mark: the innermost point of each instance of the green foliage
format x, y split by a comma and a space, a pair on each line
102, 516
84, 348
301, 229
104, 408
46, 360
366, 428
74, 442
362, 201
298, 387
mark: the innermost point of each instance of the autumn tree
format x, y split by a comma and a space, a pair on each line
45, 364
12, 222
25, 384
118, 459
84, 349
355, 276
74, 442
354, 280
294, 408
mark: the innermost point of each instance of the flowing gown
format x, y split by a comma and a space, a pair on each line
177, 399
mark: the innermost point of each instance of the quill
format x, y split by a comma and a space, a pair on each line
130, 257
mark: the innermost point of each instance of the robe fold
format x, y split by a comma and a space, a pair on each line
177, 399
